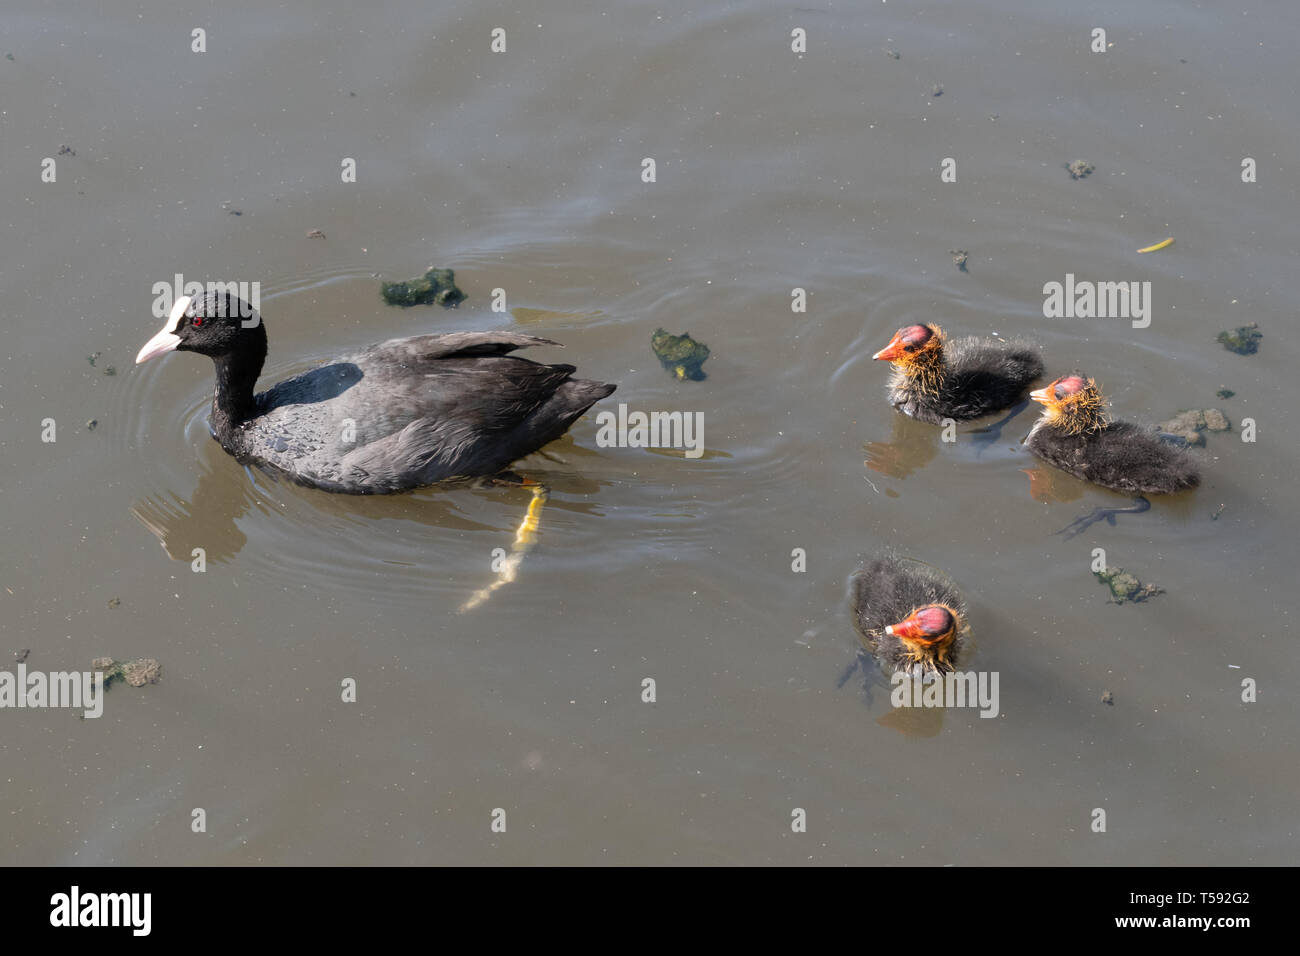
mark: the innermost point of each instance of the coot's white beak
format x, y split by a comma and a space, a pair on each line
167, 339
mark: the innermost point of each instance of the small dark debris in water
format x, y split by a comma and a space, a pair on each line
1218, 511
315, 234
111, 371
235, 212
1080, 168
66, 150
435, 286
136, 673
21, 656
1182, 60
1108, 698
936, 90
1224, 393
226, 206
352, 92
1244, 340
1126, 587
9, 57
91, 358
90, 425
959, 257
894, 54
680, 354
114, 602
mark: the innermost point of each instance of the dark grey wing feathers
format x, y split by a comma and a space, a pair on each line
423, 348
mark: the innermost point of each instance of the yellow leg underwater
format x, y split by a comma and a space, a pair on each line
525, 538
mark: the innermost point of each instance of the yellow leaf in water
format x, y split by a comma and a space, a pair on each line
1159, 245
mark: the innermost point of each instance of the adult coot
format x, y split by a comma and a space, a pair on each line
910, 616
936, 378
398, 415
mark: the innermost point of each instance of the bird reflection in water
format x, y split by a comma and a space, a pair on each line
226, 494
910, 448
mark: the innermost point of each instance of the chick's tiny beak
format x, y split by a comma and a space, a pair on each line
1043, 395
891, 351
909, 629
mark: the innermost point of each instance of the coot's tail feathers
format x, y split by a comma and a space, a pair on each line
571, 399
564, 407
588, 392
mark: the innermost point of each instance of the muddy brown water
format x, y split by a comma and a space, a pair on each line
521, 171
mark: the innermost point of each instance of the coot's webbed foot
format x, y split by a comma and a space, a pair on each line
849, 671
1079, 525
872, 677
525, 538
253, 468
987, 435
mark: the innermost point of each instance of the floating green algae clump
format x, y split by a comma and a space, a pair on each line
1126, 587
1244, 340
1080, 168
137, 673
680, 354
1189, 424
435, 286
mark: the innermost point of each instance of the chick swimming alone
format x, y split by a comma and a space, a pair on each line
909, 616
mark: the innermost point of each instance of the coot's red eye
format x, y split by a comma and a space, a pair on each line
197, 321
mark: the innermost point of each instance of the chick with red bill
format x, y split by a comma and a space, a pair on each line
909, 616
1076, 435
935, 377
